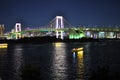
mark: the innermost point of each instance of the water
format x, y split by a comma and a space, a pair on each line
56, 61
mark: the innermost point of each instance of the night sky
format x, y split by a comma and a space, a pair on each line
35, 13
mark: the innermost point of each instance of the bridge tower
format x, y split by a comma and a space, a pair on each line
18, 30
59, 25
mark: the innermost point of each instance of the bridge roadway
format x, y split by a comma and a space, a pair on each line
80, 29
113, 32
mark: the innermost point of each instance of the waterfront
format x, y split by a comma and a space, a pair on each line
56, 61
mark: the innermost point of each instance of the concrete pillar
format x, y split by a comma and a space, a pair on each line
116, 35
61, 34
57, 34
59, 25
18, 29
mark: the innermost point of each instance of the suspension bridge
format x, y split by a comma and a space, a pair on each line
60, 28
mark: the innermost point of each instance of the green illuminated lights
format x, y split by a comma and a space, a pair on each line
76, 36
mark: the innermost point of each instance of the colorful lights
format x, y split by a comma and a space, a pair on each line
78, 52
58, 44
4, 45
74, 55
77, 49
59, 22
101, 34
76, 36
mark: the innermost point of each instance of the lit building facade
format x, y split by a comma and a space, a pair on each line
2, 30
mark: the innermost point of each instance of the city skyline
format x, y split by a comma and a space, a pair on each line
35, 13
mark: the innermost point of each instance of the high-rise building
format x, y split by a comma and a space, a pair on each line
2, 30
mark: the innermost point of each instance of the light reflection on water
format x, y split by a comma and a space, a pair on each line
87, 61
12, 63
59, 64
57, 61
18, 61
3, 53
80, 70
74, 57
78, 59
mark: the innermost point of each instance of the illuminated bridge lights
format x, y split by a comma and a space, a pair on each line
58, 26
73, 33
76, 36
3, 45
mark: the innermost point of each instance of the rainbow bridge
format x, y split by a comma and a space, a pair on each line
60, 28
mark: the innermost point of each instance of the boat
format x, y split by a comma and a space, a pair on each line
3, 45
77, 49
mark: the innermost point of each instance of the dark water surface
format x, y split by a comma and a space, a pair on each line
56, 61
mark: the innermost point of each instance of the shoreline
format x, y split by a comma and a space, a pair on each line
48, 39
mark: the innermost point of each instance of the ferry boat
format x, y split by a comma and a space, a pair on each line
77, 49
3, 45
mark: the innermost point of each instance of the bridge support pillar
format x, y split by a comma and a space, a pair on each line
17, 30
18, 36
59, 25
89, 34
111, 35
116, 34
95, 35
59, 34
